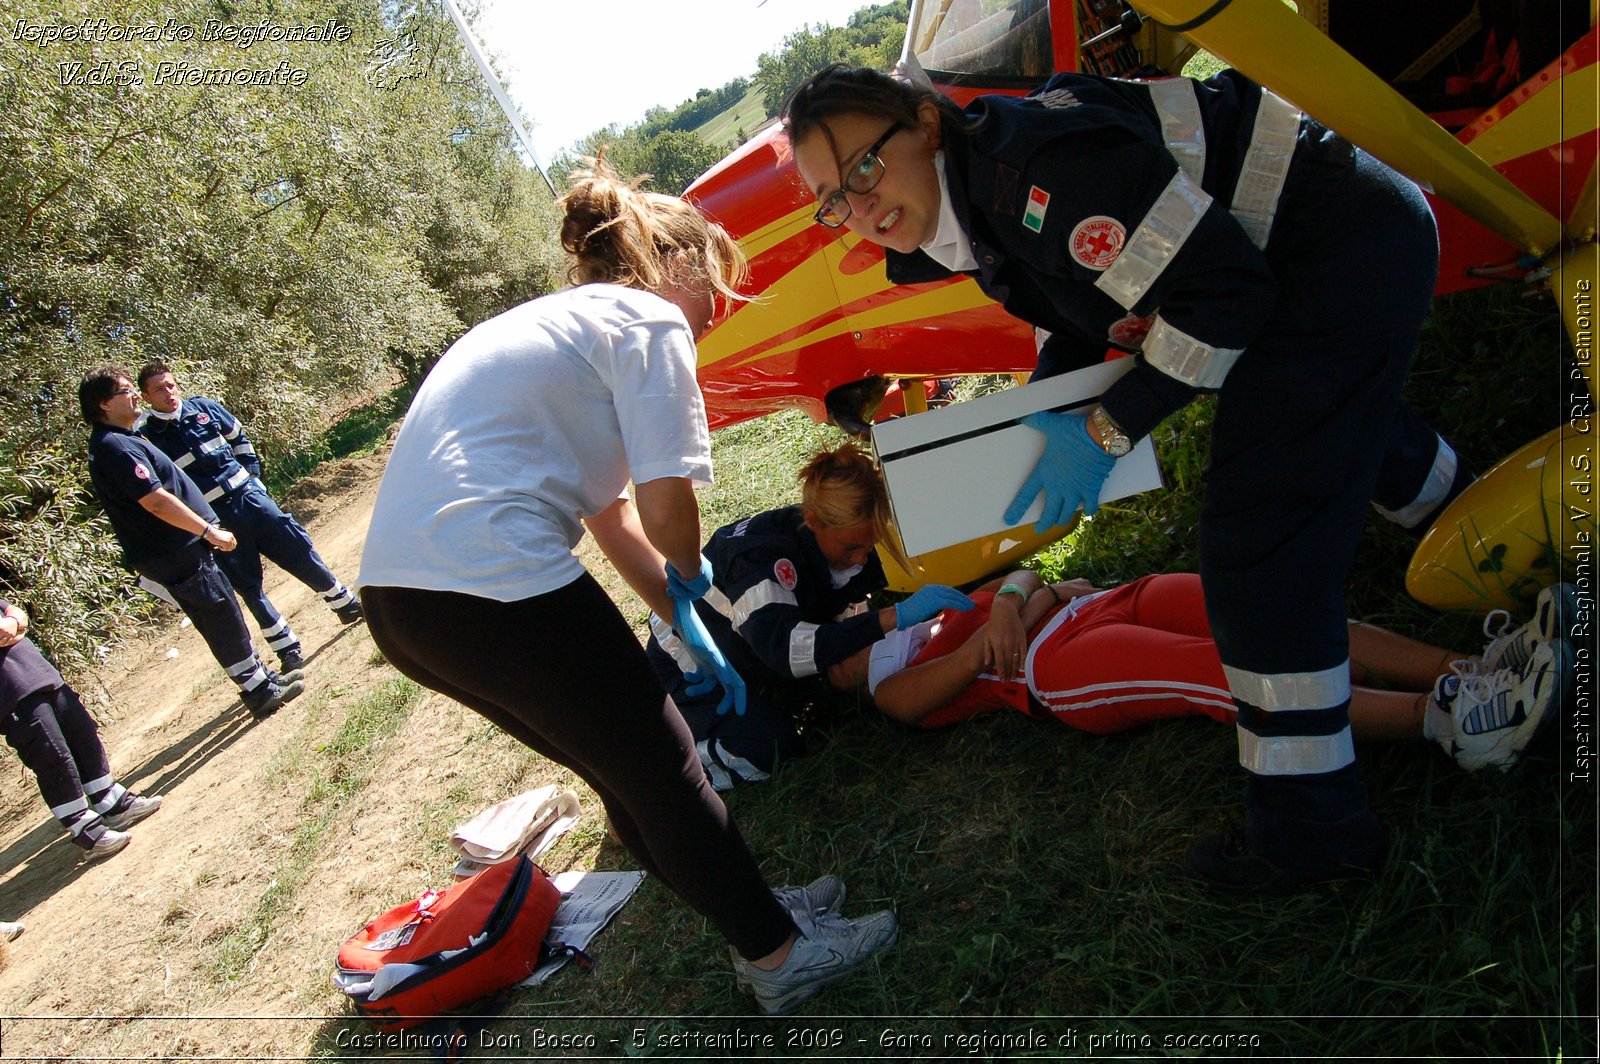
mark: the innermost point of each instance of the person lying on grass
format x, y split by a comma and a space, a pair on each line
1106, 661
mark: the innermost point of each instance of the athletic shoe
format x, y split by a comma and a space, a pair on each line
819, 897
1496, 715
283, 679
132, 813
1228, 862
1511, 647
10, 930
108, 843
292, 660
349, 613
828, 949
265, 700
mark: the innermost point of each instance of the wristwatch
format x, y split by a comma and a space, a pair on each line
1112, 438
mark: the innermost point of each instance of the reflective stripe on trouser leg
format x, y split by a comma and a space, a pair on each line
248, 674
1421, 474
280, 637
104, 794
338, 596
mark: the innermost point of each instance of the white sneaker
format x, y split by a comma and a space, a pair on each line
109, 843
1510, 647
830, 948
1495, 715
9, 930
136, 810
825, 894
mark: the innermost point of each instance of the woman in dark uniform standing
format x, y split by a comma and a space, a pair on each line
1237, 247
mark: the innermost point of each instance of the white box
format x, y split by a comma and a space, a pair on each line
952, 472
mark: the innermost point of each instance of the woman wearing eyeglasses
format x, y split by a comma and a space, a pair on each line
1235, 246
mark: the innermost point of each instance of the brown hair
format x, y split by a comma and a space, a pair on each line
617, 233
840, 89
153, 369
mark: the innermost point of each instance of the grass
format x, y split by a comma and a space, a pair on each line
745, 116
328, 774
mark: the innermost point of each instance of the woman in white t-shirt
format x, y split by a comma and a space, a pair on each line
525, 434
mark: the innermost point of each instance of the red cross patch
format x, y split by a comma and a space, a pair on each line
1130, 331
202, 417
140, 471
786, 573
1097, 241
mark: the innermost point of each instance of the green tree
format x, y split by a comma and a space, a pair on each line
288, 246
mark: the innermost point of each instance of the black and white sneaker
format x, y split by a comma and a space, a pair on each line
266, 699
349, 613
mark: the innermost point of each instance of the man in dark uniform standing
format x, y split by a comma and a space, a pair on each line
167, 531
209, 444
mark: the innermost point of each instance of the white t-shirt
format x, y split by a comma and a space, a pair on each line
530, 422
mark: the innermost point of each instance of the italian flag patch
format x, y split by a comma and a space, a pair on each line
1038, 203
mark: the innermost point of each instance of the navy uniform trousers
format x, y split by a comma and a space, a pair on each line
263, 528
1309, 432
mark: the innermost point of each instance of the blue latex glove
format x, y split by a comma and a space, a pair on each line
689, 589
1071, 471
692, 630
928, 602
699, 683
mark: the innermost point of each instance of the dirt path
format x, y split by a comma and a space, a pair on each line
231, 901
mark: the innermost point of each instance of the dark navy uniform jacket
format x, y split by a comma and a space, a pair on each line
772, 584
23, 670
206, 442
1134, 215
124, 467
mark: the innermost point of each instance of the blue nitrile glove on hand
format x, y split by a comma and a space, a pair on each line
691, 589
928, 602
1071, 471
692, 630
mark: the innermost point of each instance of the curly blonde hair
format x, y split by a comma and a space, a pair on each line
618, 233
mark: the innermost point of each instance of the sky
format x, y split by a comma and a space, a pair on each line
575, 66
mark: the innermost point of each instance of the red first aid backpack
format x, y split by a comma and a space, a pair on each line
446, 949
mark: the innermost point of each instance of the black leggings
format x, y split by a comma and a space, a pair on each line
565, 675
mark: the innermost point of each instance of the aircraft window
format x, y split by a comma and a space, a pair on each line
992, 39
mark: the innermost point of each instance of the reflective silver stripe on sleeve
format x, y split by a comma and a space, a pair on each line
1182, 357
1295, 755
1290, 690
763, 594
234, 434
672, 644
1181, 129
719, 602
1434, 489
803, 650
243, 448
1159, 237
1265, 167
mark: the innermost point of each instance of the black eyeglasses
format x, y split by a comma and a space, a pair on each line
863, 178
